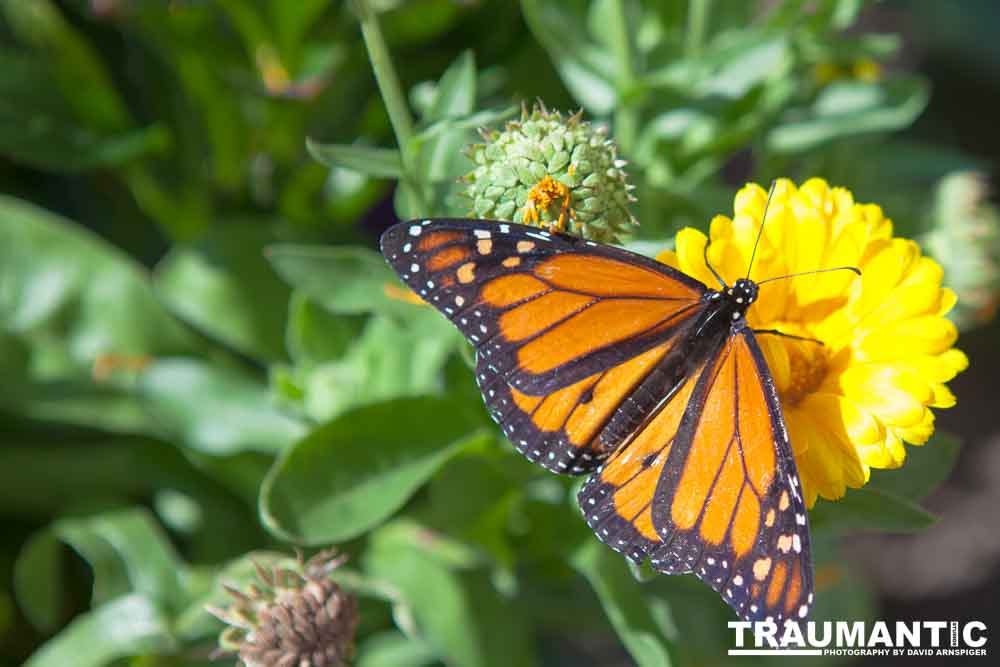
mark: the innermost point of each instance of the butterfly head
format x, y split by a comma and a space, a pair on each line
742, 294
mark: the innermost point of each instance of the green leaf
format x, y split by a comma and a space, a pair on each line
623, 600
61, 281
926, 467
353, 473
215, 410
456, 91
850, 108
870, 509
126, 549
378, 162
389, 360
38, 581
314, 334
71, 303
40, 128
461, 616
343, 279
393, 649
38, 480
585, 66
224, 287
129, 625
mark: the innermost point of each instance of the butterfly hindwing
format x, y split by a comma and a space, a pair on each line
617, 500
565, 330
729, 506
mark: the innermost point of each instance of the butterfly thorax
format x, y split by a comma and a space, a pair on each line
726, 306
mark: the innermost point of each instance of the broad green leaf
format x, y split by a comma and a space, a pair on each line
39, 127
85, 83
624, 603
585, 66
390, 359
60, 281
482, 518
224, 287
456, 91
348, 476
38, 480
394, 649
314, 334
461, 616
851, 108
746, 63
926, 467
83, 318
343, 279
870, 509
378, 162
129, 625
85, 403
38, 581
126, 550
215, 410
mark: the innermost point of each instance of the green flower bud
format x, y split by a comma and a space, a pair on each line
294, 616
966, 240
552, 172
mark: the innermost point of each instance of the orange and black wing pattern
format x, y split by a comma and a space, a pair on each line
709, 486
565, 330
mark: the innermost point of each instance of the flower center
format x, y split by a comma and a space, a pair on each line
541, 197
807, 368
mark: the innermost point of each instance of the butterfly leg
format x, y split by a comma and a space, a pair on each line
775, 332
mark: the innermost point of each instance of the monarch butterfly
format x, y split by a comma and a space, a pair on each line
593, 359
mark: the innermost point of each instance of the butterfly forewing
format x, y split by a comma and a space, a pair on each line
564, 329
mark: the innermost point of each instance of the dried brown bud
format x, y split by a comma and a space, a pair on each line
295, 616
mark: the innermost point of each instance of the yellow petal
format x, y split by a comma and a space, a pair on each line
690, 250
919, 433
895, 395
917, 336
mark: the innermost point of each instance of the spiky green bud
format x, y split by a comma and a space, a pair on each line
552, 172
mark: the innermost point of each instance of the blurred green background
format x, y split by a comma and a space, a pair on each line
200, 359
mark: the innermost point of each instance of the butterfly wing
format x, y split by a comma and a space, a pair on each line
728, 506
709, 486
565, 329
617, 500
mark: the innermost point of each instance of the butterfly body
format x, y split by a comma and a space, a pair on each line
596, 360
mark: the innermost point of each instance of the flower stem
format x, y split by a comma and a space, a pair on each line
626, 114
392, 94
697, 24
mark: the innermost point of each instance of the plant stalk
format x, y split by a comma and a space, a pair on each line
626, 114
697, 26
392, 95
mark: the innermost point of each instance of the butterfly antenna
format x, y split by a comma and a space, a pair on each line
855, 269
760, 232
712, 268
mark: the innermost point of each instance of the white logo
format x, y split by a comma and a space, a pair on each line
857, 638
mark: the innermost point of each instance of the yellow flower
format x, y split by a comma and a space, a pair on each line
850, 403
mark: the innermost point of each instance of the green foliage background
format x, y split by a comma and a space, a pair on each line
200, 361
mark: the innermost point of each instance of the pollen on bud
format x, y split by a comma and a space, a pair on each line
966, 240
552, 172
293, 616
